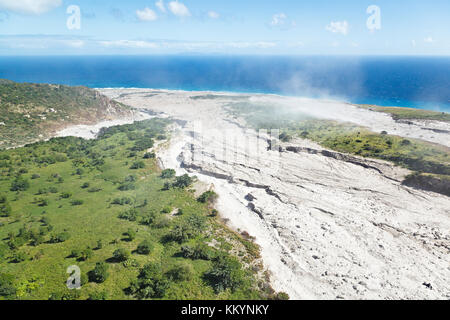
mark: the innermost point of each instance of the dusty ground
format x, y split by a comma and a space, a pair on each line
329, 228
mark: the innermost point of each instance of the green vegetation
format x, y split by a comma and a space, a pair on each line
123, 236
29, 111
419, 156
409, 113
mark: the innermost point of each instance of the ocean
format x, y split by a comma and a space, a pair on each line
418, 82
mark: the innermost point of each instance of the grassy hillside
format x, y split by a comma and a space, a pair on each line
134, 231
29, 112
430, 160
409, 113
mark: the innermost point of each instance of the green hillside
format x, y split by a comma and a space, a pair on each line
29, 112
398, 113
134, 231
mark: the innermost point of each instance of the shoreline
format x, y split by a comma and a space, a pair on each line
280, 95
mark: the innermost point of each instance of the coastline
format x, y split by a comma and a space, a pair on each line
415, 105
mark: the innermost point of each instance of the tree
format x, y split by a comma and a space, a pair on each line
86, 254
20, 184
208, 197
168, 174
5, 209
60, 237
7, 289
145, 247
121, 255
226, 273
131, 235
183, 181
150, 283
19, 257
100, 273
182, 271
138, 165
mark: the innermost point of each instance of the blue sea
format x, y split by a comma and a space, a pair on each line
419, 82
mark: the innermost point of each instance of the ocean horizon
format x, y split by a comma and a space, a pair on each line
415, 82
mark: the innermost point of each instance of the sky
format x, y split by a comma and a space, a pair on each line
282, 27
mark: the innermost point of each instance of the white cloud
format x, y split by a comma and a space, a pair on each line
428, 40
179, 9
213, 15
30, 6
278, 19
160, 5
130, 44
338, 27
243, 45
146, 14
74, 43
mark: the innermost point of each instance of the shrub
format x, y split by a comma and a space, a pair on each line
282, 296
77, 202
166, 210
150, 155
99, 245
102, 295
100, 273
20, 184
121, 255
60, 237
405, 142
82, 255
143, 144
66, 195
43, 202
167, 186
130, 215
226, 273
45, 221
7, 289
85, 185
131, 234
5, 209
208, 197
35, 176
37, 238
161, 222
183, 181
181, 233
138, 165
168, 174
199, 251
150, 283
127, 186
182, 271
145, 247
121, 201
53, 190
19, 257
149, 218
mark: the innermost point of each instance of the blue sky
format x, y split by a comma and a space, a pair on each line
403, 27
